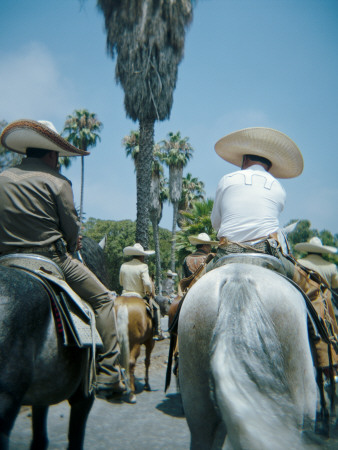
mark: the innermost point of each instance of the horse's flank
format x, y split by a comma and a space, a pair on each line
243, 331
135, 328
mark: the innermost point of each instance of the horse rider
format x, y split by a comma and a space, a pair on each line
315, 261
135, 281
37, 215
168, 285
193, 261
249, 201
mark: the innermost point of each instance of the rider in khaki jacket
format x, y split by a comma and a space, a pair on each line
37, 215
135, 280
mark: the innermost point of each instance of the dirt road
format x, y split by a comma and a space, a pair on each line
155, 422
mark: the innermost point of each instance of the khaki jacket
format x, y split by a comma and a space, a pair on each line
36, 207
134, 277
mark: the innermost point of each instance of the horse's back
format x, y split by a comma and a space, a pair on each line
140, 321
31, 352
225, 325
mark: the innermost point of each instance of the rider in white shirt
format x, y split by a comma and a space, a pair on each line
248, 204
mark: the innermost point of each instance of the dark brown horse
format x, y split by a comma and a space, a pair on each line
36, 368
135, 328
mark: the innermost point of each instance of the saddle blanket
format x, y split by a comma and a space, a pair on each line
75, 319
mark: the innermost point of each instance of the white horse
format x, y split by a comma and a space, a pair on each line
246, 372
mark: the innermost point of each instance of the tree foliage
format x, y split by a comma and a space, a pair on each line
82, 129
175, 153
121, 234
147, 38
195, 221
7, 157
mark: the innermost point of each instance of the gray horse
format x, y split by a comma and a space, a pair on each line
246, 373
35, 367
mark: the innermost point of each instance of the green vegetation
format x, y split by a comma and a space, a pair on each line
121, 234
82, 130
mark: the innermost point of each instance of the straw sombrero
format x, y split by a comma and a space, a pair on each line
171, 273
24, 133
315, 246
137, 250
279, 149
202, 238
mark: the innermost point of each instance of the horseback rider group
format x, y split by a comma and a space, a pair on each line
37, 215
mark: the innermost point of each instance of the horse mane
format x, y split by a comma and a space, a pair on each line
246, 352
94, 258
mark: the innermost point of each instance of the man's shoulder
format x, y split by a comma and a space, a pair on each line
33, 168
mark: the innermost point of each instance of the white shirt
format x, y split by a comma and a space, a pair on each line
247, 205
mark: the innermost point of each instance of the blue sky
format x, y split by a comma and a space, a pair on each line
247, 63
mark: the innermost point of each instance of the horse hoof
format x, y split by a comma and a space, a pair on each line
132, 398
147, 387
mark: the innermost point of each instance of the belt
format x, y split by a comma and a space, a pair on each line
56, 247
223, 240
240, 247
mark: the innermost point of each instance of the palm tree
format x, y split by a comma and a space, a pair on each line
147, 36
157, 197
192, 190
195, 221
131, 145
82, 130
176, 152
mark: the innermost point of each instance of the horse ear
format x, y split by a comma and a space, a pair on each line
290, 228
103, 242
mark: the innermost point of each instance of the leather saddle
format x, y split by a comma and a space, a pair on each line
74, 318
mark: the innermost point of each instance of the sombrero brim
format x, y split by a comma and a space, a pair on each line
312, 248
132, 251
195, 241
279, 149
24, 133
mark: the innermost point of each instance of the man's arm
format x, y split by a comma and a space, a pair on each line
146, 279
69, 222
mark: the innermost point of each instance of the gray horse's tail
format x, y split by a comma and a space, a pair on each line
248, 379
122, 322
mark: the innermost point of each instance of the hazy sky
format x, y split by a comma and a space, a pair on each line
247, 63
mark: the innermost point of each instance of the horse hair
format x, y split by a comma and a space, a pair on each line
246, 352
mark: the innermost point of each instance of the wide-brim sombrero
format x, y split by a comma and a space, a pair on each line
315, 246
202, 238
25, 133
278, 148
137, 250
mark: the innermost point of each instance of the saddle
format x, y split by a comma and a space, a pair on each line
317, 329
74, 319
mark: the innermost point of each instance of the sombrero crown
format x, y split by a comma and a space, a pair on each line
202, 238
24, 133
137, 250
284, 155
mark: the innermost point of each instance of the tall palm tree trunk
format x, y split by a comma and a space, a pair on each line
154, 221
143, 180
82, 190
173, 235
